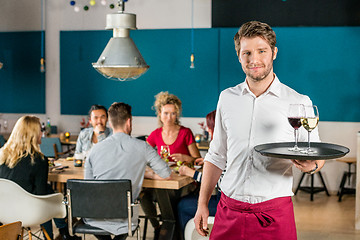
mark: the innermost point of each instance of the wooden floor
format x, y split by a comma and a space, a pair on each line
323, 219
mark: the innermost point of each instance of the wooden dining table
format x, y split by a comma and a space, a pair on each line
168, 192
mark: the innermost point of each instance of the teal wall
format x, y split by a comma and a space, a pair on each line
321, 62
168, 54
21, 83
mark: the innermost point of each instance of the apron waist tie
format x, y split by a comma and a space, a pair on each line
264, 219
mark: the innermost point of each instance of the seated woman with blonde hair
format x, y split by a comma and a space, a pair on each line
22, 162
178, 139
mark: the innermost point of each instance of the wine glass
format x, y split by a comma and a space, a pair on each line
309, 122
165, 153
296, 112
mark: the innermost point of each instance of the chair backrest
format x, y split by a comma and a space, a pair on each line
192, 234
98, 198
47, 146
32, 210
2, 140
11, 231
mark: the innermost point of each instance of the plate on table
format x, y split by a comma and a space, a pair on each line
56, 165
324, 150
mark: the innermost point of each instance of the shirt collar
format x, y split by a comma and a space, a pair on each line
275, 88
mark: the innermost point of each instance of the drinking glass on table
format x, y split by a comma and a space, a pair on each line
309, 122
296, 112
165, 153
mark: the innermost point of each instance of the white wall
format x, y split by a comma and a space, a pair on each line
24, 15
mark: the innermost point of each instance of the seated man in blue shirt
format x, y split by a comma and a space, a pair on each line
121, 156
98, 118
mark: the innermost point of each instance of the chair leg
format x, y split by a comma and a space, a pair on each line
45, 233
297, 189
312, 188
29, 234
145, 227
138, 233
323, 183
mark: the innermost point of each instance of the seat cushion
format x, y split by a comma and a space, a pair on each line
81, 227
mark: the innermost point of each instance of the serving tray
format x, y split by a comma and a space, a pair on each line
324, 150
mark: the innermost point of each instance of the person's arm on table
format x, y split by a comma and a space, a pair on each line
150, 174
211, 175
194, 154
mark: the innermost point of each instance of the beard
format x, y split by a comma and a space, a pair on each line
259, 75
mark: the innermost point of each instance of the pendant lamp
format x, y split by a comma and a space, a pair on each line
121, 60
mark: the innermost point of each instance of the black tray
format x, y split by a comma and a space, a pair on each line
324, 150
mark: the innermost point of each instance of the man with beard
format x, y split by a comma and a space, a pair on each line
256, 190
98, 118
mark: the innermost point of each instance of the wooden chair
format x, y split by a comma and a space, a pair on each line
51, 147
99, 199
11, 231
32, 210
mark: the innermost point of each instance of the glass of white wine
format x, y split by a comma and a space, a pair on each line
309, 122
165, 153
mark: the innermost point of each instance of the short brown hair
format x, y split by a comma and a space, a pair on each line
255, 29
119, 113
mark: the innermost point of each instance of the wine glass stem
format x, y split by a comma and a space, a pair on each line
309, 140
296, 140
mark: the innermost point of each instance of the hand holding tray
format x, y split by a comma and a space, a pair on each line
324, 150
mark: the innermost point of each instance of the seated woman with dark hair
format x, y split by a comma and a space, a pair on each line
22, 162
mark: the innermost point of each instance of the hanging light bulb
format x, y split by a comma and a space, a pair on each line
76, 9
192, 61
92, 2
192, 56
103, 2
42, 65
42, 59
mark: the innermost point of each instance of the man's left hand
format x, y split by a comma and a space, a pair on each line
304, 165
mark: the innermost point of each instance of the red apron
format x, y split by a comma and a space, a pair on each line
272, 219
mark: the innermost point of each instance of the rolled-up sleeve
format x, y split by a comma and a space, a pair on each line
217, 153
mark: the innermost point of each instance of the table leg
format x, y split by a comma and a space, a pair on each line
166, 199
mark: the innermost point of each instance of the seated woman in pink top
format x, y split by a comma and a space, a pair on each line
172, 138
174, 143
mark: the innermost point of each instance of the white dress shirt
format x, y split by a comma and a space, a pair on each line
244, 121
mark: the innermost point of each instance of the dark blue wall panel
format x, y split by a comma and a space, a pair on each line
168, 54
21, 83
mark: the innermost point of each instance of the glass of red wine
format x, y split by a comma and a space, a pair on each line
296, 112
